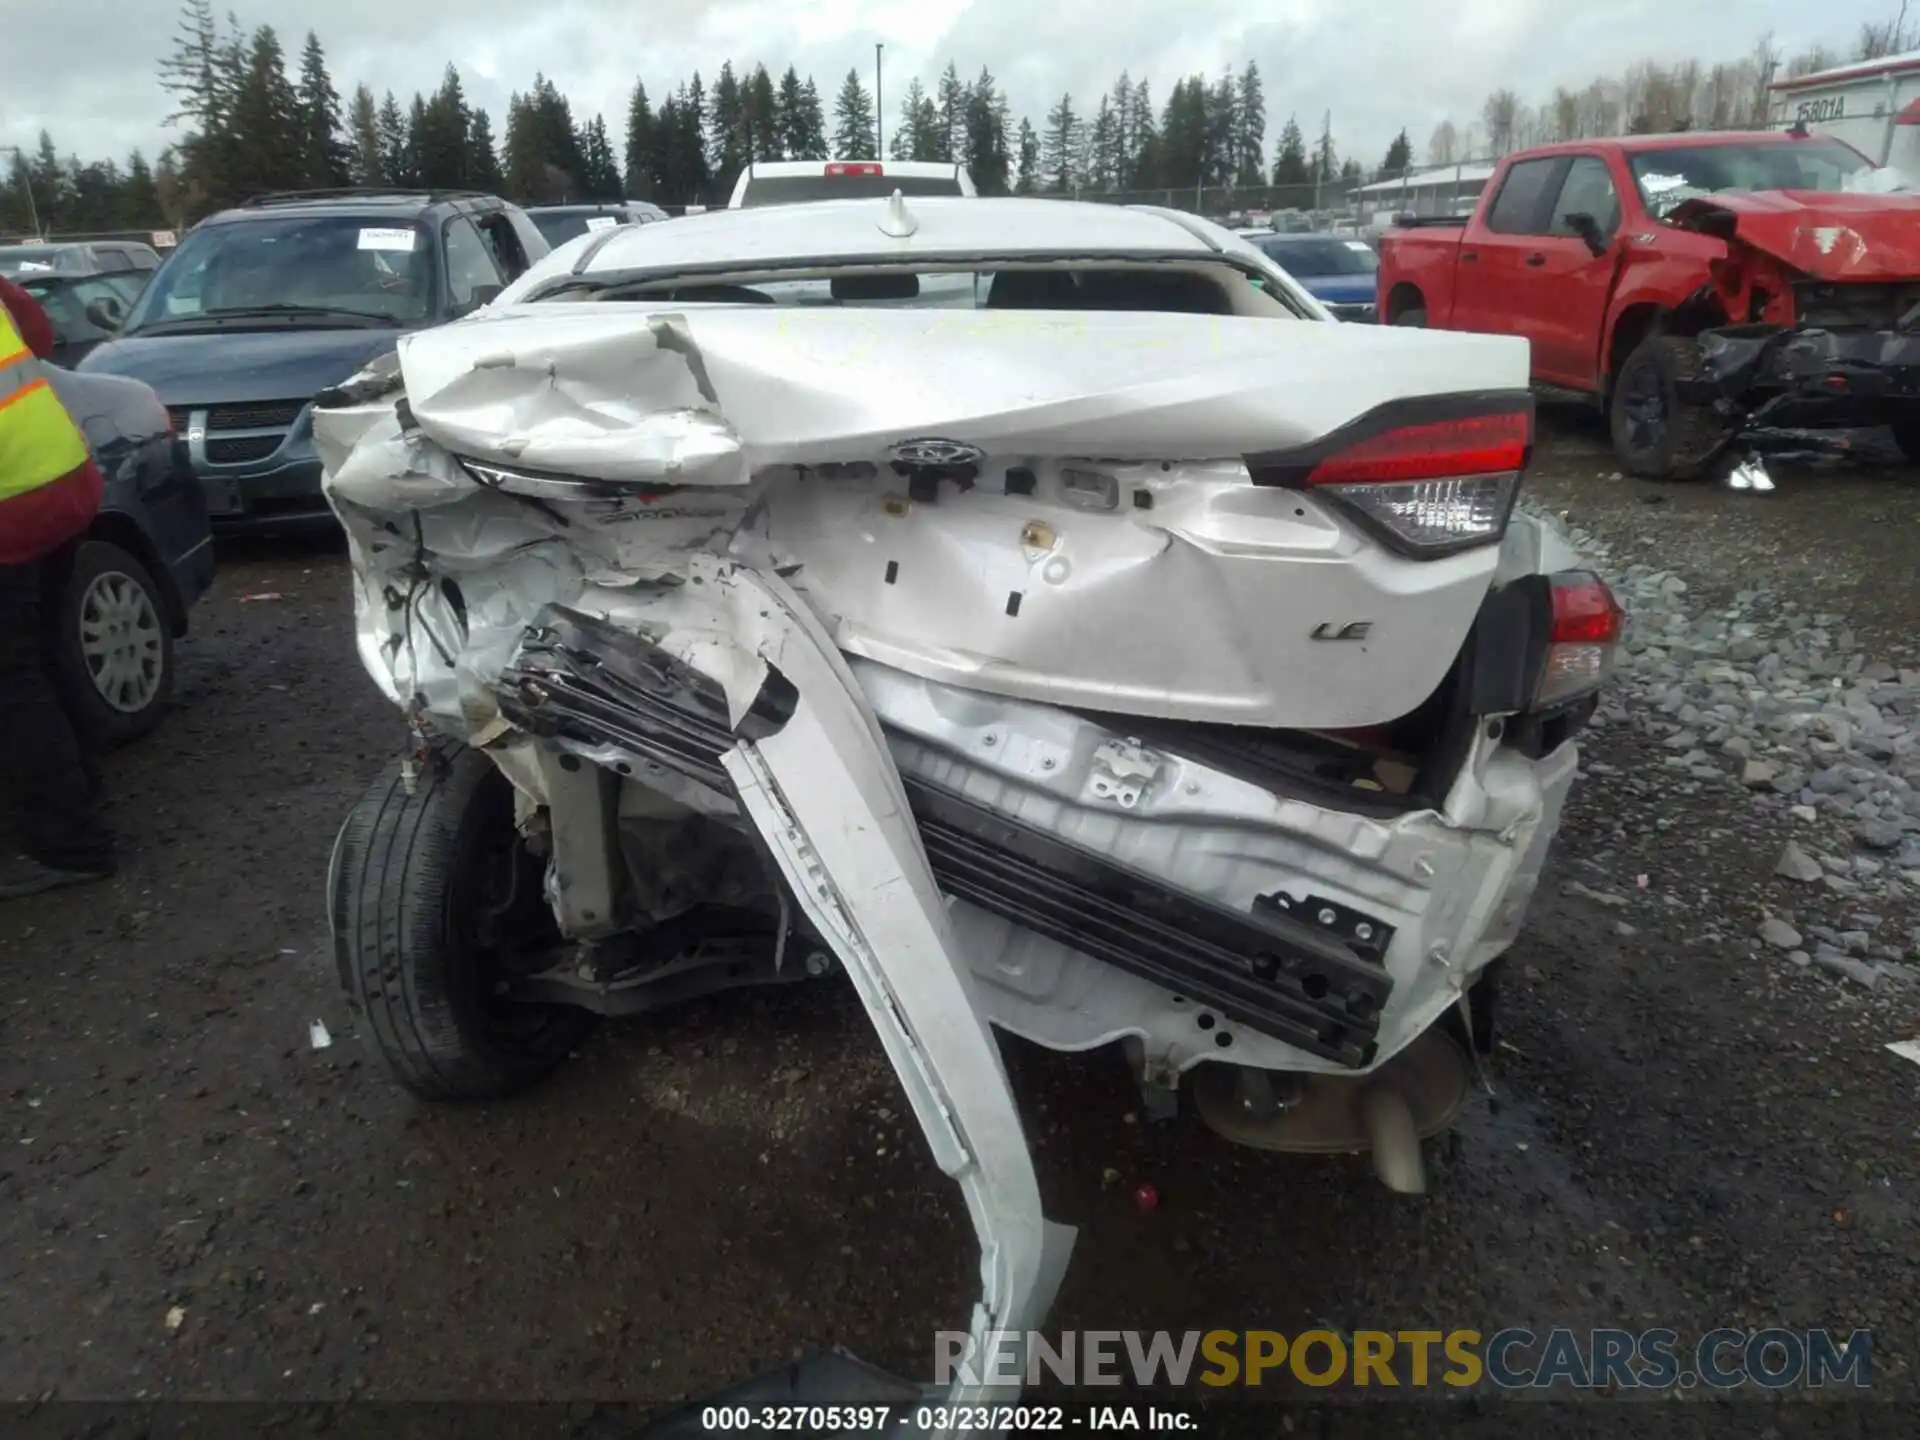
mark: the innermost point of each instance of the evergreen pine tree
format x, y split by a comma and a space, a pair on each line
853, 135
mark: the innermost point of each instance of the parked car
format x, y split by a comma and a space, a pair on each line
787, 182
65, 257
70, 302
261, 307
561, 223
1705, 289
924, 646
118, 597
1337, 270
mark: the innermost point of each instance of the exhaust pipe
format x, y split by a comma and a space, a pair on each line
1394, 1139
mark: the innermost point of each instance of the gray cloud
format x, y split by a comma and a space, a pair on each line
86, 69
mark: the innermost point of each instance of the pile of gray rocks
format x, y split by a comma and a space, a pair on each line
1760, 697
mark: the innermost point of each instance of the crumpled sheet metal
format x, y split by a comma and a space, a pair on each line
631, 405
448, 573
1841, 235
616, 391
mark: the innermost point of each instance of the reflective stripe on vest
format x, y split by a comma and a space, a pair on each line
39, 442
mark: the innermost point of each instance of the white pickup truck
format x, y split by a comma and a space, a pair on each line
789, 182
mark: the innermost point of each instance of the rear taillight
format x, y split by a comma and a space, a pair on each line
1435, 487
855, 167
1587, 625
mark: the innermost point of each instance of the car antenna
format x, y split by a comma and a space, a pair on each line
899, 221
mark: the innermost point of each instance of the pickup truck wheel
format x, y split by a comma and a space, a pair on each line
1416, 318
1906, 434
112, 647
1655, 433
431, 896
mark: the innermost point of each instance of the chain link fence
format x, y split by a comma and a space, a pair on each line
1422, 190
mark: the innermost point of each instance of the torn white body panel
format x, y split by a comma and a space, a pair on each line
1454, 894
1167, 585
974, 729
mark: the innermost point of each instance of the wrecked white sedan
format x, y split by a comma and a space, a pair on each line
1041, 612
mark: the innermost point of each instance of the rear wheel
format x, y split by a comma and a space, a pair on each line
112, 646
1906, 434
434, 899
1417, 318
1656, 433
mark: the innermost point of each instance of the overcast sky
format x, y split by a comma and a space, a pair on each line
84, 69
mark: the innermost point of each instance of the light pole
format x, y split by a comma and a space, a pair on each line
879, 107
26, 184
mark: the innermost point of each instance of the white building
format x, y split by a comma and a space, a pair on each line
1449, 190
1874, 106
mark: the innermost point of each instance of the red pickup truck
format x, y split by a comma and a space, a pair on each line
1707, 289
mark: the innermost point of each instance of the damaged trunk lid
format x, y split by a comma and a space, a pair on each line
1261, 522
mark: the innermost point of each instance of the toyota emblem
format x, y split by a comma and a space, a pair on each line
934, 454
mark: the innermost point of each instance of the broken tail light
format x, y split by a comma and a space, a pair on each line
1432, 487
1587, 626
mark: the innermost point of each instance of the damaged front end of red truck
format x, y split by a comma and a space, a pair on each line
1821, 294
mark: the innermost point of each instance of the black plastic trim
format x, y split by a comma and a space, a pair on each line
1262, 967
1507, 647
1318, 987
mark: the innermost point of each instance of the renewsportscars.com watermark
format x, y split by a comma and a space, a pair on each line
1511, 1359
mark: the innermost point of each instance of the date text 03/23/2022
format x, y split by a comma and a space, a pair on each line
947, 1419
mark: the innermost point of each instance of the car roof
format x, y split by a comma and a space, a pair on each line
850, 230
583, 207
393, 204
1675, 140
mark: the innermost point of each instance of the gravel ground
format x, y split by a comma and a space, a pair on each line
1695, 1123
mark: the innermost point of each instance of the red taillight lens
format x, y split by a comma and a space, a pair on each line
1431, 487
1477, 445
1584, 610
861, 167
1587, 625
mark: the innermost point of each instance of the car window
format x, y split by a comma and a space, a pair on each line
504, 241
1669, 176
1587, 190
470, 262
560, 226
1316, 257
366, 265
1186, 288
1516, 210
109, 258
17, 260
791, 189
57, 299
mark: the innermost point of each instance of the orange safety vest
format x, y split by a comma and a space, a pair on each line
39, 443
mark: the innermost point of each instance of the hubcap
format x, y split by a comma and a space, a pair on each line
121, 640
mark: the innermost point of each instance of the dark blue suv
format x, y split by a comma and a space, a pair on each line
262, 307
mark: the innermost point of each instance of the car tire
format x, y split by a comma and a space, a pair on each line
1906, 434
424, 883
1656, 434
112, 645
1416, 318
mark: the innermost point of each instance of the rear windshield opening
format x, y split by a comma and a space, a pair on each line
794, 189
560, 226
1187, 287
